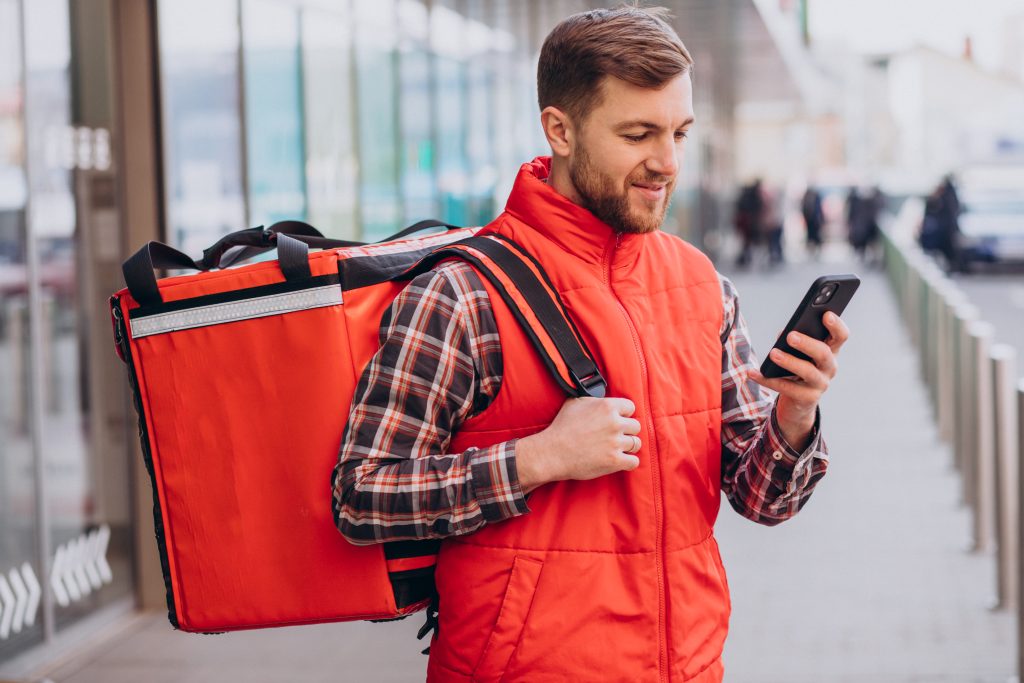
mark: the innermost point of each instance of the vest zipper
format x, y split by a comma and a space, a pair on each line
663, 663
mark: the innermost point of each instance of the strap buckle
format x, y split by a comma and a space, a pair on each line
594, 384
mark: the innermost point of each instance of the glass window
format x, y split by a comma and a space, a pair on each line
376, 36
419, 191
273, 115
87, 503
480, 123
201, 121
506, 150
331, 163
446, 29
18, 521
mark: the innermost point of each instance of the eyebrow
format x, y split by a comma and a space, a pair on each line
639, 123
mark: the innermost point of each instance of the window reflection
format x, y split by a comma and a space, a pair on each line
86, 486
378, 130
18, 523
447, 35
201, 120
331, 163
480, 123
419, 192
273, 112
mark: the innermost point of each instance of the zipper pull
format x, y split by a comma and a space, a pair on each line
120, 336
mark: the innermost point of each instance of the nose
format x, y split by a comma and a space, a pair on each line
665, 159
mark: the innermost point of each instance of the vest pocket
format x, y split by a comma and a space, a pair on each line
515, 608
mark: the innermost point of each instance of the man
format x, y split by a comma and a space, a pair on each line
579, 541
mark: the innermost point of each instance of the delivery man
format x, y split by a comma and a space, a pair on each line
578, 534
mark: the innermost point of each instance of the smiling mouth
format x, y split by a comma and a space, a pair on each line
650, 191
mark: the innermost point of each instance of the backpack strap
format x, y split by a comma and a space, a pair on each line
533, 300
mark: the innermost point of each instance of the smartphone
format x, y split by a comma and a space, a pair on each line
828, 293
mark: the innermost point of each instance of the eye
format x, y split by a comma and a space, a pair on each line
635, 138
680, 135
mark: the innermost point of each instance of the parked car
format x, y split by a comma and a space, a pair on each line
991, 228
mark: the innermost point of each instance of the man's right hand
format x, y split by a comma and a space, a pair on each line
589, 438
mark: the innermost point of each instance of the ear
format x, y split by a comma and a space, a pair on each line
558, 129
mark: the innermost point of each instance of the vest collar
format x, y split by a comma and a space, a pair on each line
575, 229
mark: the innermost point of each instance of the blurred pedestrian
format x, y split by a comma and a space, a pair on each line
814, 218
770, 223
949, 224
852, 216
864, 228
746, 220
930, 238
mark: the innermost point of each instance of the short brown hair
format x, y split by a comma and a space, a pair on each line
631, 43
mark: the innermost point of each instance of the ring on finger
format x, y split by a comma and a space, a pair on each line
636, 443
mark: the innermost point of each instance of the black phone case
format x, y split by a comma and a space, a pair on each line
807, 318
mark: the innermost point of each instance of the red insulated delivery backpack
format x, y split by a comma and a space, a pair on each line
242, 379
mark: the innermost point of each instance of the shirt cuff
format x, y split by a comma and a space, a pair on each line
785, 454
496, 482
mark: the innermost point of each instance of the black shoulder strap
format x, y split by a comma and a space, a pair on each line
527, 291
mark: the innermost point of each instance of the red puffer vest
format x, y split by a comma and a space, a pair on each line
617, 578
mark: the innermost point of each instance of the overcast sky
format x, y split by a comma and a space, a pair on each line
886, 25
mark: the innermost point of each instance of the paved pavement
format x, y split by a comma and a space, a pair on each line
869, 584
999, 297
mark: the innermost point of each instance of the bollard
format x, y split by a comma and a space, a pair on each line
1020, 527
964, 382
913, 307
937, 294
945, 379
929, 340
1004, 371
983, 461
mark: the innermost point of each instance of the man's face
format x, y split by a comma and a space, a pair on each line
625, 158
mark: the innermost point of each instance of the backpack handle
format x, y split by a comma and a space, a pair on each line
291, 238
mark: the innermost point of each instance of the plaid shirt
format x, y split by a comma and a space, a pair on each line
440, 363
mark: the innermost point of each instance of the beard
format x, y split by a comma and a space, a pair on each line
610, 203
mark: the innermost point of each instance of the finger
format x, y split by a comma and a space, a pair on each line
820, 352
629, 462
629, 444
795, 390
624, 406
838, 332
630, 426
803, 369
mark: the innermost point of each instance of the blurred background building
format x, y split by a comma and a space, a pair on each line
123, 121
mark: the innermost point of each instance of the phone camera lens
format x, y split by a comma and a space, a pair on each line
825, 293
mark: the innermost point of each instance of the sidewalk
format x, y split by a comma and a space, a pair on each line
869, 584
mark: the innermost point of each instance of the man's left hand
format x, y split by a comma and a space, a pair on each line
799, 395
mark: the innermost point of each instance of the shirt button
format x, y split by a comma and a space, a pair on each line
777, 455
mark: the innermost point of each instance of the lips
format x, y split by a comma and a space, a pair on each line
652, 192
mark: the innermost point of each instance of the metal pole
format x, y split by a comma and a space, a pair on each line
944, 380
983, 476
1004, 371
963, 385
1020, 526
927, 346
913, 312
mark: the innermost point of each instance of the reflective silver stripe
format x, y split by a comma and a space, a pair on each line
257, 307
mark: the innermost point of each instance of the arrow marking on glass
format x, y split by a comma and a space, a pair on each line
21, 599
35, 591
6, 608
